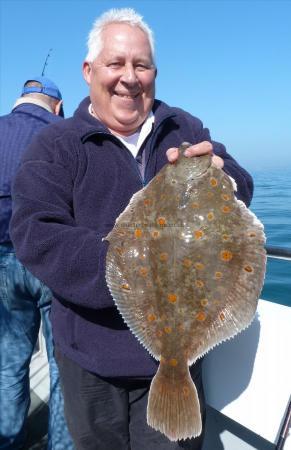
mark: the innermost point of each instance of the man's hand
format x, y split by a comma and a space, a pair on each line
203, 148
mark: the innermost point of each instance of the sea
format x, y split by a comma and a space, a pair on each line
272, 205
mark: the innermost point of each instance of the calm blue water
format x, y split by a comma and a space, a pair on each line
272, 205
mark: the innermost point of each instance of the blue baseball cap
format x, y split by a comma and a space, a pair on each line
48, 87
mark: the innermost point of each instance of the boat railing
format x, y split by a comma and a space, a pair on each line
281, 253
278, 252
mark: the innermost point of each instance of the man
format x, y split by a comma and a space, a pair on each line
75, 180
23, 298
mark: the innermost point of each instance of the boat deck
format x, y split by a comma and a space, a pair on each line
222, 433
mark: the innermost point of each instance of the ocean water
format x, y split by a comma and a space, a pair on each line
272, 205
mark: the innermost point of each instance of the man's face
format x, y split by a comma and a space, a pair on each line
122, 79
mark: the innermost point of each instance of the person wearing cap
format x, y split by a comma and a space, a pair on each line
75, 180
24, 300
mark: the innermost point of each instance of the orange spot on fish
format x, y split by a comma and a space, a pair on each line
199, 266
198, 234
201, 316
138, 233
222, 317
143, 271
248, 269
173, 362
161, 221
151, 317
225, 209
226, 255
218, 275
125, 286
210, 216
164, 257
225, 237
147, 202
204, 302
155, 234
194, 205
168, 330
252, 234
225, 197
199, 283
210, 194
172, 298
213, 182
187, 262
159, 333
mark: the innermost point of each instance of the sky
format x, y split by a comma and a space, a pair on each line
226, 62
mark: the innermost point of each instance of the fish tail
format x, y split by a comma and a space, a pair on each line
173, 406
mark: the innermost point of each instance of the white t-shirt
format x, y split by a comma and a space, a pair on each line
134, 141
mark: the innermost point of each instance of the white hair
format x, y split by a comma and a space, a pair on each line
124, 15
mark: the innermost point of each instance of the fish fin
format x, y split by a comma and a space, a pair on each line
173, 406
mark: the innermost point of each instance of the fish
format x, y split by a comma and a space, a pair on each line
185, 266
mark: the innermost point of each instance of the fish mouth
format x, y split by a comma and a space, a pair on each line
199, 166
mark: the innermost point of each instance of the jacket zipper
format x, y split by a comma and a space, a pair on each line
153, 142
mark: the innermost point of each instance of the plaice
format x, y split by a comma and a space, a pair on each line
185, 266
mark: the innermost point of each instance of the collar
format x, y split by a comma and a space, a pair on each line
34, 101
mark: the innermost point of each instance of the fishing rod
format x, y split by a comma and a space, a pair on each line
46, 61
61, 113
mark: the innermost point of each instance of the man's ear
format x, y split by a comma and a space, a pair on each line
58, 110
87, 68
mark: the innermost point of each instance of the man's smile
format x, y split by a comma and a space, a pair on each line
126, 95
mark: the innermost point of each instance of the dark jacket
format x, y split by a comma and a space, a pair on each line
74, 181
16, 132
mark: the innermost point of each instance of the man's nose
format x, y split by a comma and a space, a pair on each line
128, 74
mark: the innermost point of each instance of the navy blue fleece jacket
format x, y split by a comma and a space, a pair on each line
16, 132
74, 181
